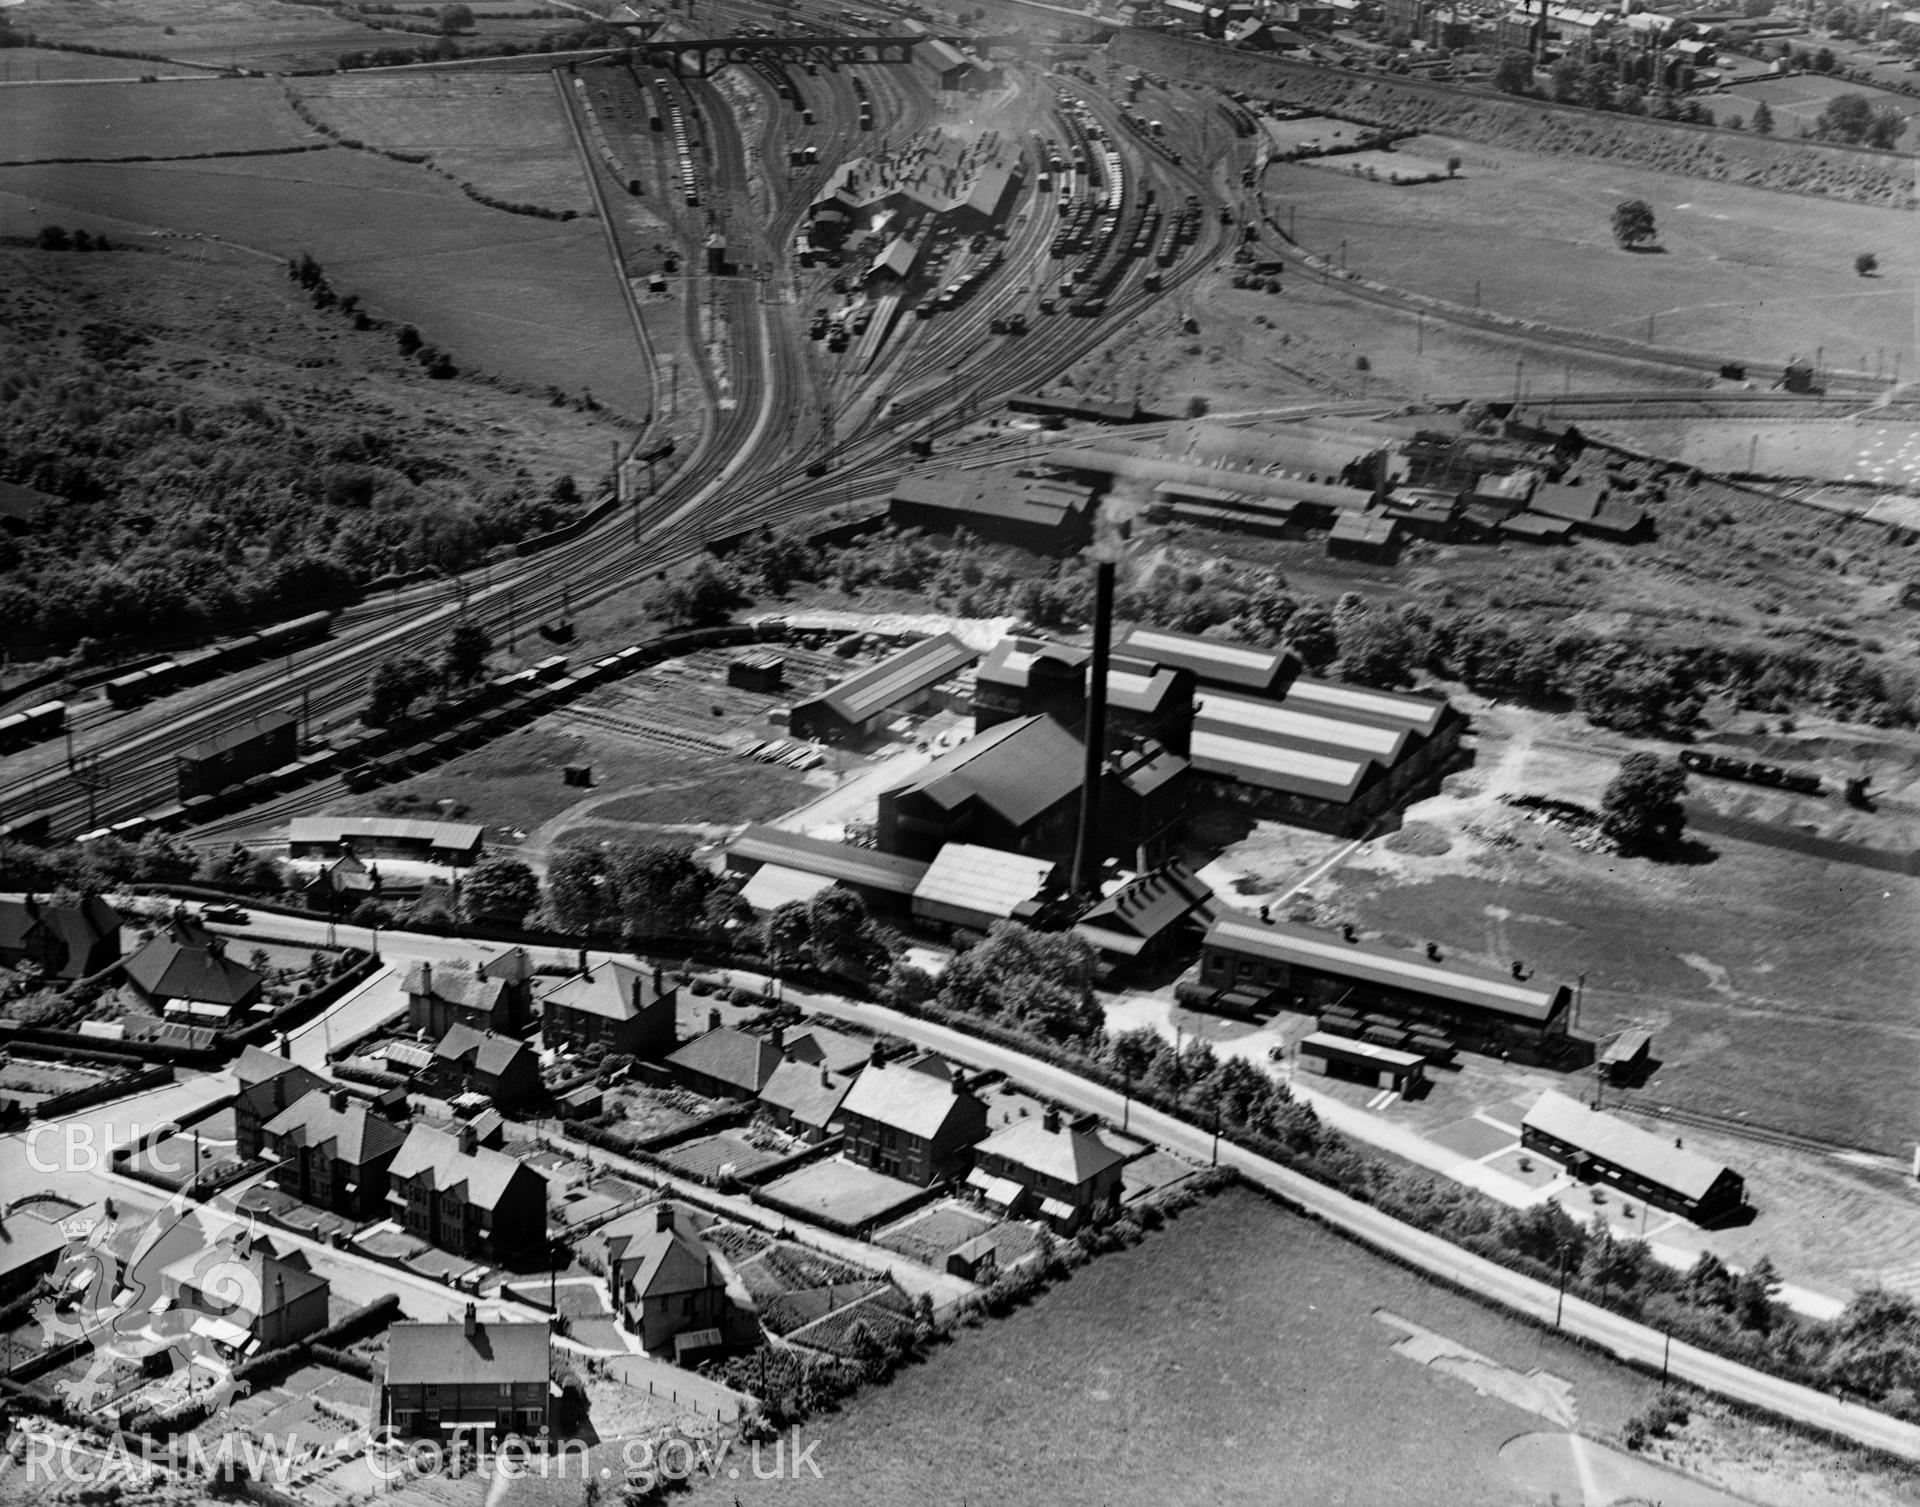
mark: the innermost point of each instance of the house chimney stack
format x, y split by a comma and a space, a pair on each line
778, 1036
337, 1100
426, 979
877, 1057
1086, 858
826, 1078
473, 1321
663, 1216
1051, 1120
584, 969
713, 1019
469, 1139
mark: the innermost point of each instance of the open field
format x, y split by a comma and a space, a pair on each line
526, 299
20, 65
1778, 987
1236, 1356
1864, 449
502, 132
262, 34
1742, 273
1798, 101
174, 119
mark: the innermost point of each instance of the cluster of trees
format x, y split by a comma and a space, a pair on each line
1850, 118
109, 863
402, 681
1641, 809
1037, 982
1625, 82
645, 892
833, 933
442, 47
57, 238
182, 518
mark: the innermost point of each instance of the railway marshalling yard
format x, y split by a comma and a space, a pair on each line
737, 289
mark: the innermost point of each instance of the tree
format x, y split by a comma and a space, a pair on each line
577, 893
1762, 119
455, 18
1845, 117
658, 891
1453, 166
1513, 74
1197, 407
1823, 60
1633, 222
844, 937
1042, 979
1886, 126
465, 657
371, 913
704, 596
398, 682
1376, 650
1866, 264
789, 932
1311, 635
1641, 809
499, 889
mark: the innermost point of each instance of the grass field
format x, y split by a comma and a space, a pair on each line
502, 132
1234, 1357
1779, 988
263, 34
172, 119
1741, 273
24, 64
1798, 101
527, 299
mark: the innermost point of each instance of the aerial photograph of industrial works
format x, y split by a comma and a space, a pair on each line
939, 752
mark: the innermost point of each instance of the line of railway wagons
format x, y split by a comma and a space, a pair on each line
185, 669
384, 754
1753, 773
28, 727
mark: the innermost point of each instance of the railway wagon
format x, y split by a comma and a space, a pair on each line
30, 726
143, 685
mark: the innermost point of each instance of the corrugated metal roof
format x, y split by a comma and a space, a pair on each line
905, 674
1020, 769
1420, 714
1351, 1046
1285, 942
1275, 768
1287, 727
836, 860
1363, 528
1625, 1146
1219, 661
985, 881
331, 829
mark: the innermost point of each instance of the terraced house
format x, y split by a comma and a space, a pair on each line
452, 1192
490, 1376
912, 1121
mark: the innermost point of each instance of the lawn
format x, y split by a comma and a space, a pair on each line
1234, 1357
527, 299
21, 64
173, 119
502, 132
1741, 271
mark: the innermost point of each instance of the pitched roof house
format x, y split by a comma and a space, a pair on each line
336, 1152
247, 1296
496, 997
1064, 1174
802, 1097
911, 1124
453, 1192
492, 1375
726, 1064
503, 1068
618, 1006
268, 1085
185, 968
661, 1277
64, 941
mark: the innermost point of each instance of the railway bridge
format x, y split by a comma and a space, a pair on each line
703, 57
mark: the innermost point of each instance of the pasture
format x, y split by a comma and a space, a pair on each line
502, 132
263, 34
529, 300
1236, 1356
1798, 100
20, 65
1740, 273
175, 118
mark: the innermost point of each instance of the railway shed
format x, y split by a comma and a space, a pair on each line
863, 704
1049, 517
1362, 1062
457, 843
1602, 1148
1247, 966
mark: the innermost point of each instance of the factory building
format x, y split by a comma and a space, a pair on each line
862, 705
1024, 676
1048, 517
785, 866
1249, 967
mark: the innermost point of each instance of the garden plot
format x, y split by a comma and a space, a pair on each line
505, 133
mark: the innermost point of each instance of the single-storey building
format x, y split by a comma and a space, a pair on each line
456, 843
862, 705
885, 881
1248, 965
1598, 1147
185, 969
1361, 1061
969, 888
1147, 917
725, 1063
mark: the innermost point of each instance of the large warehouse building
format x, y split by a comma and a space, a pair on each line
1048, 517
1597, 1147
862, 705
1025, 676
1250, 966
